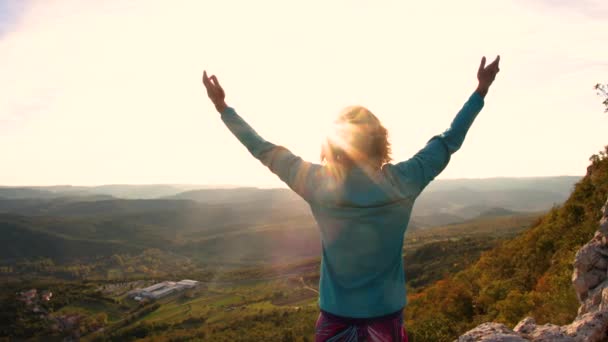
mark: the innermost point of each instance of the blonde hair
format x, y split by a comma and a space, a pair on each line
357, 137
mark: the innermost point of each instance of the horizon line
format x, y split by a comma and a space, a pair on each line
258, 186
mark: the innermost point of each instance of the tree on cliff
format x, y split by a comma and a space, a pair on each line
602, 90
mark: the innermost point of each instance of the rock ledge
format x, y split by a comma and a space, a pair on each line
590, 280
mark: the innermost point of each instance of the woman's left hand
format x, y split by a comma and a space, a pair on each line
215, 92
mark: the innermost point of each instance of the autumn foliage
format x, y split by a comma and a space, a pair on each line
526, 276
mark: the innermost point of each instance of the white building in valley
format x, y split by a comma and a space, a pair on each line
163, 289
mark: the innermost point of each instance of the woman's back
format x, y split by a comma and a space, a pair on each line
362, 212
362, 223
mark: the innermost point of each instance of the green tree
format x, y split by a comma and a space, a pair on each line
602, 90
288, 336
102, 318
118, 260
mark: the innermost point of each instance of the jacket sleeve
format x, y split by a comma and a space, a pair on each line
298, 174
430, 161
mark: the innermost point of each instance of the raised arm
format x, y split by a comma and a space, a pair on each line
425, 165
298, 174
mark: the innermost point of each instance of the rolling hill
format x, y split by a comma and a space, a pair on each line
240, 226
26, 237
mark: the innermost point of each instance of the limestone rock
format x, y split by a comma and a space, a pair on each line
525, 326
549, 333
491, 332
594, 299
591, 327
590, 281
604, 221
604, 300
528, 329
604, 225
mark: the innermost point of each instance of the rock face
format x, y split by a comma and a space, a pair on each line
491, 332
590, 281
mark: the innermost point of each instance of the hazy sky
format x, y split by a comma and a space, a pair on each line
97, 92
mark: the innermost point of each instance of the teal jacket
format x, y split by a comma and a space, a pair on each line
364, 217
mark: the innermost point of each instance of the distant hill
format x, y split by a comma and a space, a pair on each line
436, 219
202, 213
493, 212
443, 202
212, 234
467, 203
20, 193
26, 237
239, 225
238, 195
559, 184
140, 191
182, 226
89, 206
126, 191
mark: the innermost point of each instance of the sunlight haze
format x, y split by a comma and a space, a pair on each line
102, 92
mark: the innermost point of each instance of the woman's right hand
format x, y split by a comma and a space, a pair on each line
215, 92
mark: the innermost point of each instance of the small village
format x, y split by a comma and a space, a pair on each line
34, 300
37, 302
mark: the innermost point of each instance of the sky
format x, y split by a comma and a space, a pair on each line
107, 92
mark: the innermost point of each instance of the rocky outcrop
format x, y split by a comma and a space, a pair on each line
491, 332
590, 281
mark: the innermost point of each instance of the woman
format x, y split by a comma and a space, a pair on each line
362, 204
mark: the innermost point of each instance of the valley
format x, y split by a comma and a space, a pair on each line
255, 253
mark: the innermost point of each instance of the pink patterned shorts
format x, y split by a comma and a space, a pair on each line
332, 328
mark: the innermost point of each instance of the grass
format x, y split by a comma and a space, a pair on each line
175, 309
168, 313
90, 307
114, 273
228, 300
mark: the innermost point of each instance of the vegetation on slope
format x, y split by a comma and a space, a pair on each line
528, 275
432, 254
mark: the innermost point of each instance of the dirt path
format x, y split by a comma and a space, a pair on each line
308, 287
252, 280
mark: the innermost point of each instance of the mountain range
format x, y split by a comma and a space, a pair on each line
226, 225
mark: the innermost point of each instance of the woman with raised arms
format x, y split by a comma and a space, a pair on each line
362, 205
